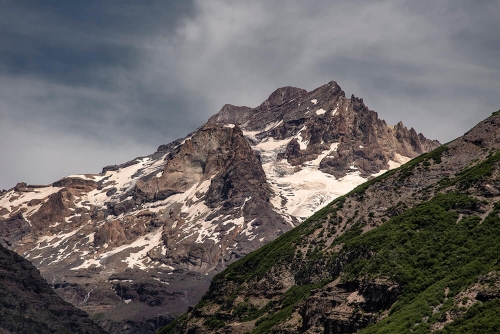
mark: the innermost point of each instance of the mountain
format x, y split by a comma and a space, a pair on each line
140, 242
414, 250
29, 305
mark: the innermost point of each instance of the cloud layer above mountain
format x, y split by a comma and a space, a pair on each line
96, 83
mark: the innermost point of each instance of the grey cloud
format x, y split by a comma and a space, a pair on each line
108, 76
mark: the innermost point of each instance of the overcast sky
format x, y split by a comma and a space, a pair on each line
84, 84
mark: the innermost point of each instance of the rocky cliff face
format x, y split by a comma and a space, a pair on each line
138, 243
414, 249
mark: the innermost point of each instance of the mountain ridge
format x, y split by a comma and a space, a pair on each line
149, 234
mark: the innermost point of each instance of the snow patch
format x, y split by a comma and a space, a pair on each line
17, 200
301, 193
91, 177
317, 161
270, 144
320, 112
159, 280
303, 144
382, 171
400, 160
122, 180
135, 258
314, 101
272, 125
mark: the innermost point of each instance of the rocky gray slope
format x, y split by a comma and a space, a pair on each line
138, 243
414, 250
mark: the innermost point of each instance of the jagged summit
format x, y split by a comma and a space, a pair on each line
142, 239
316, 120
230, 114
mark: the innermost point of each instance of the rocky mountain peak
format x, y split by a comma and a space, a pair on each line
327, 91
280, 96
230, 114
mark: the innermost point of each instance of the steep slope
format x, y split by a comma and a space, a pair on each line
138, 243
29, 305
413, 250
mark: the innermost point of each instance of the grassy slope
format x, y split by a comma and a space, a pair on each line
426, 250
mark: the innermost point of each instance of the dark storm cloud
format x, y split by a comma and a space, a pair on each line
78, 64
70, 41
85, 84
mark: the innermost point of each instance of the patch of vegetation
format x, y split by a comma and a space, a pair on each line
214, 323
354, 231
480, 318
425, 250
265, 324
247, 312
282, 250
289, 299
170, 328
472, 175
97, 316
406, 170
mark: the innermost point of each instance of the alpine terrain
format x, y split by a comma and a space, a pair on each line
415, 250
135, 245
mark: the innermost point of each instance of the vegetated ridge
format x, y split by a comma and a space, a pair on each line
415, 250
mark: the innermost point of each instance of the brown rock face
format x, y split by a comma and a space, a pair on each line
13, 229
347, 307
365, 142
214, 151
54, 210
237, 189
